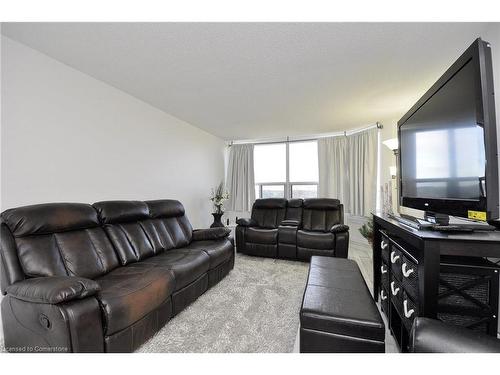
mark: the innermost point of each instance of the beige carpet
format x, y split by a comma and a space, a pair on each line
254, 309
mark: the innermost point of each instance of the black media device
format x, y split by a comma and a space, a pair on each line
448, 155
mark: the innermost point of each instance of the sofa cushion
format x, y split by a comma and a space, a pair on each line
139, 230
218, 251
121, 211
165, 208
49, 218
261, 235
186, 265
315, 240
130, 293
60, 239
170, 213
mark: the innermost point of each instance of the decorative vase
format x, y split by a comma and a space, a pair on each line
217, 220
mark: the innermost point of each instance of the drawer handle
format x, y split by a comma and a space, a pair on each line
408, 314
394, 257
383, 245
383, 270
383, 297
394, 291
406, 272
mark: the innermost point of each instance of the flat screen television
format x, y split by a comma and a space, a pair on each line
448, 142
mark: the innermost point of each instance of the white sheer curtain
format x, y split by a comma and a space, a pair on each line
333, 171
240, 180
348, 170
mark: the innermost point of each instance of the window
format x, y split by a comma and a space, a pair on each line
303, 161
270, 170
304, 191
286, 170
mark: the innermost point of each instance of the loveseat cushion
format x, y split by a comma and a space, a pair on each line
261, 235
269, 212
130, 293
315, 240
320, 214
186, 265
219, 251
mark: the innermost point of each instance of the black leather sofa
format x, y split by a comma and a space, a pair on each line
434, 336
102, 278
294, 229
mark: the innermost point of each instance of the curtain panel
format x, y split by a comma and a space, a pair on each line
240, 181
348, 170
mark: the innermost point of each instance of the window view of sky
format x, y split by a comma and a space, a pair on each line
270, 169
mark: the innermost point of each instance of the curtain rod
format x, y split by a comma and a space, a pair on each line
313, 137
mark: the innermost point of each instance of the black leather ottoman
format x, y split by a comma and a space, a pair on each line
338, 313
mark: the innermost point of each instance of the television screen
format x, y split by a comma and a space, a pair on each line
442, 147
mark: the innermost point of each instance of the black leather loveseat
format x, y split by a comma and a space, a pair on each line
294, 229
105, 277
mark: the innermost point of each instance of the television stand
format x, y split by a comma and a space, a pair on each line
422, 224
435, 275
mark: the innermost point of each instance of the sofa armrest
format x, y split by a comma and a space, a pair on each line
433, 336
339, 228
53, 290
210, 233
290, 223
246, 222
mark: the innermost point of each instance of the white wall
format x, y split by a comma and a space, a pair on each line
68, 137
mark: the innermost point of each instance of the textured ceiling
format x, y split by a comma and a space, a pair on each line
253, 80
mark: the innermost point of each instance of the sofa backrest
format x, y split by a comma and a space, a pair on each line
294, 209
320, 214
269, 212
55, 239
139, 230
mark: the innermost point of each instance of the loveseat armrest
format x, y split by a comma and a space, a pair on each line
341, 233
290, 223
339, 228
246, 222
210, 233
53, 290
434, 336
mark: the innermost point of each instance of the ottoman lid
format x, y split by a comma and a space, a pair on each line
338, 301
